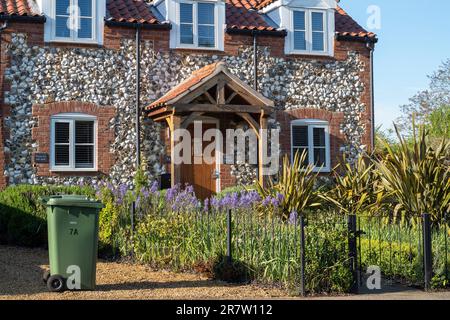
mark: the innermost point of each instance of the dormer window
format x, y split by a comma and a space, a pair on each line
309, 33
198, 24
78, 21
310, 30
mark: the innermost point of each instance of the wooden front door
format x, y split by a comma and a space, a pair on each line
200, 176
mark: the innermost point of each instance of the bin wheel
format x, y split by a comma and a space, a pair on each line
45, 276
55, 283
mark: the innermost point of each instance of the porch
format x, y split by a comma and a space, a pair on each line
216, 99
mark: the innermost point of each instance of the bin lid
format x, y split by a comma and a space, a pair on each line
72, 201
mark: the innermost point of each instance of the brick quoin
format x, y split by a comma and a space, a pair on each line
105, 135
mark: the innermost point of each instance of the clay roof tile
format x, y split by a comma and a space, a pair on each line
196, 77
240, 14
17, 8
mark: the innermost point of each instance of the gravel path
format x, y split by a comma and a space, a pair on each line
21, 273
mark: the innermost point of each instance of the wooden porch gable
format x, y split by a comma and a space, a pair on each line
212, 90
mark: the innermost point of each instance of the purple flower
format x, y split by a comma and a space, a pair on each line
280, 197
206, 205
215, 203
267, 201
154, 187
171, 193
293, 217
120, 193
145, 193
123, 189
182, 199
230, 201
245, 201
138, 201
276, 201
189, 189
224, 202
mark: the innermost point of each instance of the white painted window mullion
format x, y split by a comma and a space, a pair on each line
53, 143
72, 4
308, 31
72, 144
195, 22
311, 145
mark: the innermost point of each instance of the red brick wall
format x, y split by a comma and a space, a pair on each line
114, 35
226, 179
334, 120
234, 42
105, 135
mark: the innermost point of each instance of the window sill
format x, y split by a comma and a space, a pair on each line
310, 53
75, 42
326, 170
56, 170
215, 49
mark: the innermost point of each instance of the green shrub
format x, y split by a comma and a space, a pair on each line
417, 175
356, 188
296, 185
397, 260
327, 263
23, 217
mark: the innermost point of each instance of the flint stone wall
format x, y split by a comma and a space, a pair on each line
106, 77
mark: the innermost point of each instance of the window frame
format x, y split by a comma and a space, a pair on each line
309, 32
74, 34
312, 124
71, 118
195, 25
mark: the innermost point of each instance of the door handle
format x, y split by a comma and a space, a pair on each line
215, 174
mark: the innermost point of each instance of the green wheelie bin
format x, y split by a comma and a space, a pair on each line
72, 242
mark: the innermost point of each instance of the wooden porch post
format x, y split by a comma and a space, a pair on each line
175, 170
261, 148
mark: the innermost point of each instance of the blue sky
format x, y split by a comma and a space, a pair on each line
414, 40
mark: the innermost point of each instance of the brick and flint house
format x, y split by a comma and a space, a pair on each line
68, 95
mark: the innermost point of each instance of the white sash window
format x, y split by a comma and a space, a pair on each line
73, 142
312, 137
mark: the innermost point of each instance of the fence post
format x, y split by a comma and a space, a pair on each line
353, 252
229, 234
132, 215
446, 245
302, 255
427, 250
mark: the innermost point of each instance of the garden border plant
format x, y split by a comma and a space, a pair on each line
173, 229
